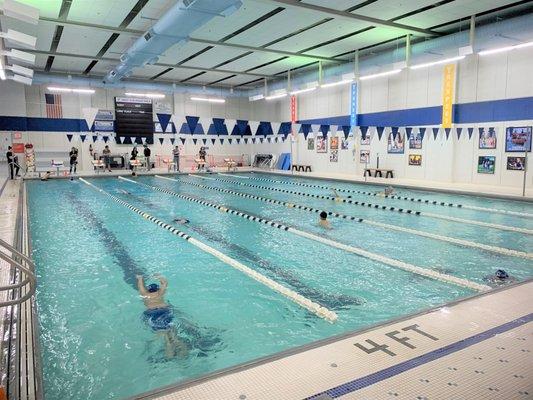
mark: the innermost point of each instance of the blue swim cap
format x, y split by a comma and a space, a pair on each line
501, 274
153, 287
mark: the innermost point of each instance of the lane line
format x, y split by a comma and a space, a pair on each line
348, 248
397, 197
309, 305
460, 242
234, 176
380, 207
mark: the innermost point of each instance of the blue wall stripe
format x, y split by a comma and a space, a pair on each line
365, 381
484, 111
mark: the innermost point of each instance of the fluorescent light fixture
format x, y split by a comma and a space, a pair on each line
149, 95
430, 64
379, 75
208, 99
22, 79
18, 55
70, 90
2, 72
256, 97
343, 82
276, 96
303, 90
504, 49
17, 69
19, 38
22, 12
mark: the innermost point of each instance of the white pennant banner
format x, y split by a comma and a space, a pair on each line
230, 124
89, 114
254, 125
275, 127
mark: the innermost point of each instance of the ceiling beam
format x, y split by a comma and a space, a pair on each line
297, 5
137, 33
114, 60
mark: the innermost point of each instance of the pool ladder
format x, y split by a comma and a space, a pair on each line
26, 272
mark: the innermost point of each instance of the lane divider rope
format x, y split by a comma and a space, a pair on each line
348, 248
234, 176
379, 207
460, 242
297, 298
394, 196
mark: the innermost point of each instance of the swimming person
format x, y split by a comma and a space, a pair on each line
389, 191
500, 278
46, 176
159, 315
181, 221
338, 197
323, 221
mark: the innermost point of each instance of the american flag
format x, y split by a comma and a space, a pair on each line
53, 106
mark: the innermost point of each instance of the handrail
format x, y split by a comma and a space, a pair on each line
28, 271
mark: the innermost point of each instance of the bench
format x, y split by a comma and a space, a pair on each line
388, 172
301, 168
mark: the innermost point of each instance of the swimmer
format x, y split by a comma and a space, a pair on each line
323, 221
389, 191
500, 278
133, 173
46, 176
159, 316
338, 198
181, 221
123, 191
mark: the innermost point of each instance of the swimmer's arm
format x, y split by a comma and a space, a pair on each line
140, 285
164, 284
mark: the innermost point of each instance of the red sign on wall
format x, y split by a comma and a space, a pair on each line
18, 147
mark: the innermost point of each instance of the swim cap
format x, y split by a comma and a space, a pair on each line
323, 215
153, 287
501, 274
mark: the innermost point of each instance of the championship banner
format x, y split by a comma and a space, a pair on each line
448, 89
353, 105
293, 115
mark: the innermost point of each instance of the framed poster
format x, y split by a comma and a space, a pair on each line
310, 143
395, 145
516, 163
487, 138
518, 139
486, 164
364, 156
344, 144
415, 159
321, 144
415, 141
334, 143
366, 140
334, 156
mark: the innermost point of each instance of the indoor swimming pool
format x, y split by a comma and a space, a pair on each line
251, 273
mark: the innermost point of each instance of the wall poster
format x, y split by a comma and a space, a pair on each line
395, 145
518, 139
486, 164
334, 143
487, 138
321, 144
310, 143
364, 156
415, 159
334, 156
516, 163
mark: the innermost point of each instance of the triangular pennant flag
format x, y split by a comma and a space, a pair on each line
172, 141
324, 129
269, 140
82, 138
364, 130
194, 141
306, 133
245, 140
459, 130
295, 128
192, 122
394, 132
380, 130
480, 130
447, 130
182, 140
253, 140
230, 126
229, 141
221, 141
203, 125
213, 141
69, 137
106, 138
408, 132
178, 121
470, 132
161, 140
315, 128
254, 125
122, 140
143, 140
261, 140
422, 133
238, 140
346, 131
89, 114
95, 138
163, 119
435, 133
204, 141
275, 127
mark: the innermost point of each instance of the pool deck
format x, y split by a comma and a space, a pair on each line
478, 348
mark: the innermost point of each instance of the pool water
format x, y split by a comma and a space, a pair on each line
88, 250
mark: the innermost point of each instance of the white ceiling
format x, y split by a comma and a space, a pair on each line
277, 22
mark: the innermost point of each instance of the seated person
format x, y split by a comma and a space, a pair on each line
46, 176
159, 316
323, 221
500, 278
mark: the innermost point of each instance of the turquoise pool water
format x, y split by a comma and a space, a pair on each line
88, 249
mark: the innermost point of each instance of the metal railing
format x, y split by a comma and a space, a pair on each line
28, 274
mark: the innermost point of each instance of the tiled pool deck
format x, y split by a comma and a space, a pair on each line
480, 348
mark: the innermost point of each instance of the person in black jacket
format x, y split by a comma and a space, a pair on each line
73, 159
147, 153
11, 163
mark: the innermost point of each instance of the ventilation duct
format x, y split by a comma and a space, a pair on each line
172, 28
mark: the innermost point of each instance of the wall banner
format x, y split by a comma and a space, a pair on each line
353, 105
448, 88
